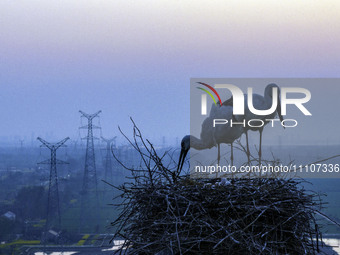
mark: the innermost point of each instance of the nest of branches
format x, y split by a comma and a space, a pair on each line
164, 212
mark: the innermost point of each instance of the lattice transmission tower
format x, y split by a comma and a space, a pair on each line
108, 175
89, 194
53, 209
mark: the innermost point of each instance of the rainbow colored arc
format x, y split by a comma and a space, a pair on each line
209, 93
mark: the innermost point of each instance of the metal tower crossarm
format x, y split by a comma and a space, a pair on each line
109, 141
53, 146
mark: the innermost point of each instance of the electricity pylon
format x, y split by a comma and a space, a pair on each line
108, 176
89, 193
53, 209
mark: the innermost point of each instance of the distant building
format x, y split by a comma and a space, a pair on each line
9, 215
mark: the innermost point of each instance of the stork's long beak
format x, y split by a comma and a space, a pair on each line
278, 108
181, 159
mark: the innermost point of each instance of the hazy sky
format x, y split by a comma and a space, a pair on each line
136, 58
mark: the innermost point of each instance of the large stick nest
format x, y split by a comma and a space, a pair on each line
167, 213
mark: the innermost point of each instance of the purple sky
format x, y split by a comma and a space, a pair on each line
136, 58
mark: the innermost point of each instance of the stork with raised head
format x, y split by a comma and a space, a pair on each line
212, 136
259, 103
